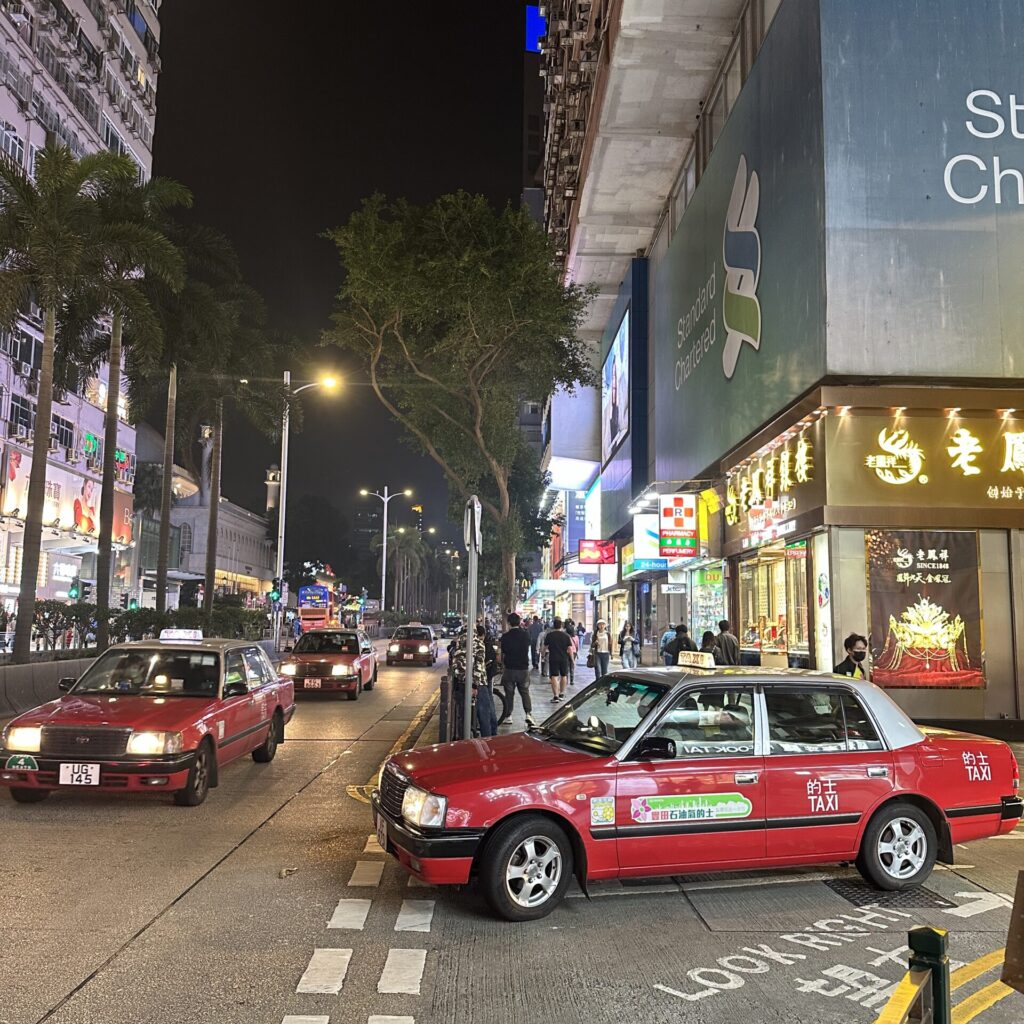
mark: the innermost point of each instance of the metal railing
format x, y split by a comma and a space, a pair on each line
923, 996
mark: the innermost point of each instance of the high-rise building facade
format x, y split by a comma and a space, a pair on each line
84, 73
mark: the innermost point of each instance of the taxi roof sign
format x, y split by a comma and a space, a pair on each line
178, 636
696, 659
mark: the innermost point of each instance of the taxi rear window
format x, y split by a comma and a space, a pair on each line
153, 671
327, 643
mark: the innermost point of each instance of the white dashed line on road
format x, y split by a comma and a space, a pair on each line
403, 971
326, 971
367, 873
293, 1019
388, 1019
372, 846
350, 914
418, 883
415, 916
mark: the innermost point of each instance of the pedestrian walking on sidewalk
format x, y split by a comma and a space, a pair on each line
535, 629
709, 645
601, 648
629, 649
486, 717
728, 644
574, 647
514, 654
558, 646
666, 638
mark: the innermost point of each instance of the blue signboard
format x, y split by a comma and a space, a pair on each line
314, 596
536, 26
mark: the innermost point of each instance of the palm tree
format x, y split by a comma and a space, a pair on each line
406, 552
54, 245
143, 206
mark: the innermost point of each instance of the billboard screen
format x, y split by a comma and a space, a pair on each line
615, 393
597, 552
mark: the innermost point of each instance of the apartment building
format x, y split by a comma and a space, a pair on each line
84, 72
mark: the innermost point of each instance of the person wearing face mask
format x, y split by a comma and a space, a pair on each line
854, 662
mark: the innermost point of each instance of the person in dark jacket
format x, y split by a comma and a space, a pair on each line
856, 654
681, 642
709, 645
728, 644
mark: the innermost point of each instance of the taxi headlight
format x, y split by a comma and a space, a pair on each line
394, 648
288, 670
341, 670
153, 743
23, 737
424, 648
422, 808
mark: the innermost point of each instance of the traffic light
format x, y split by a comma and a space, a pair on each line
75, 590
124, 600
133, 605
86, 590
274, 594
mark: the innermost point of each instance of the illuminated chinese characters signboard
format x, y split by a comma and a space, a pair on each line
925, 607
597, 552
936, 459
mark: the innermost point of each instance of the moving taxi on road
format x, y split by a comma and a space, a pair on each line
163, 715
412, 645
337, 660
663, 771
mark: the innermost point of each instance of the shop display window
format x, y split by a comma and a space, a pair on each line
774, 613
798, 623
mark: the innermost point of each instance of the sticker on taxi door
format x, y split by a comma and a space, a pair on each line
602, 810
700, 807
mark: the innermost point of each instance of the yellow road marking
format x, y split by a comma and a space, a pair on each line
362, 793
976, 968
980, 1001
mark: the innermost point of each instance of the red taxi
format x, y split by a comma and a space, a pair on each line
663, 771
336, 660
150, 716
412, 645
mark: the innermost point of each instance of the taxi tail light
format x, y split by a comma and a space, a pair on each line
1016, 772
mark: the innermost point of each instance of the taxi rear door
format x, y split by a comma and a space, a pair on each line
707, 805
826, 770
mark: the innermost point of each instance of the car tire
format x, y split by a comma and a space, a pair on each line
373, 678
899, 847
265, 752
24, 795
524, 844
354, 694
197, 787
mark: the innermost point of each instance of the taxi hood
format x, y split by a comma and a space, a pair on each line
478, 764
311, 658
124, 711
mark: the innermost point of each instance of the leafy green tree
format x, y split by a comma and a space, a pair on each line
458, 313
143, 207
55, 247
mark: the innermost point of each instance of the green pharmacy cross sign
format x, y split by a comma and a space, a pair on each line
90, 444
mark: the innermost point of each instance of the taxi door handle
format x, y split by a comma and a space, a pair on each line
746, 778
878, 772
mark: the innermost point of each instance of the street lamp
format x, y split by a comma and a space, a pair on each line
386, 499
328, 383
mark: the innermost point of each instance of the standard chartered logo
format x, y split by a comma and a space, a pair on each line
741, 254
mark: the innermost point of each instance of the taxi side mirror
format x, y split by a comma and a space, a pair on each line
66, 684
656, 748
235, 689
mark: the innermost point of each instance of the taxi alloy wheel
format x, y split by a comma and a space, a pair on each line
265, 752
526, 868
899, 847
198, 785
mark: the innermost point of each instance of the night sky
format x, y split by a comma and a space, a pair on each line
281, 118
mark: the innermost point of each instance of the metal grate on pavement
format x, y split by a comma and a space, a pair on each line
861, 894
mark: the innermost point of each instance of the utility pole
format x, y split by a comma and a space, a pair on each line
471, 531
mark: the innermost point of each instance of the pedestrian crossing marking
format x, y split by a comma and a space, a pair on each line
403, 972
372, 846
415, 916
292, 1018
326, 972
367, 873
350, 914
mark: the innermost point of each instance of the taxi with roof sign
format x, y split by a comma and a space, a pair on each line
695, 768
151, 716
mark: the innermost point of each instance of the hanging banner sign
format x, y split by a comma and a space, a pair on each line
677, 526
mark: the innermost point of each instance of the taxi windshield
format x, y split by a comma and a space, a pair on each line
153, 671
327, 643
604, 715
412, 633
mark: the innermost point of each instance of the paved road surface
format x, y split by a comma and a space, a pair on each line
271, 903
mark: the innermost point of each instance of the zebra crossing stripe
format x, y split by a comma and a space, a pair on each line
403, 972
350, 914
292, 1018
378, 1018
367, 873
418, 883
415, 916
326, 971
372, 846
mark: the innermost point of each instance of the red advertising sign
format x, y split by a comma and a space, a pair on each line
597, 552
677, 526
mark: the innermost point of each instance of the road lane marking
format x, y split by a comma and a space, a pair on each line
350, 914
415, 916
403, 972
378, 1018
418, 883
326, 971
301, 1019
362, 793
979, 903
976, 968
367, 873
980, 1001
372, 846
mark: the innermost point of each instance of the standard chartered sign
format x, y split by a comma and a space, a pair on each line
697, 328
970, 179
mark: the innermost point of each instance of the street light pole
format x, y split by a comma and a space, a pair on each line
386, 498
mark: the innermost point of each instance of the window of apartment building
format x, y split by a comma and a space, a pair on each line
25, 351
64, 431
22, 416
11, 144
186, 538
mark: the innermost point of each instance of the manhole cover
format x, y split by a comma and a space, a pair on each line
860, 894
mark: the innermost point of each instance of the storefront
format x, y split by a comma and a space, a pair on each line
895, 513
